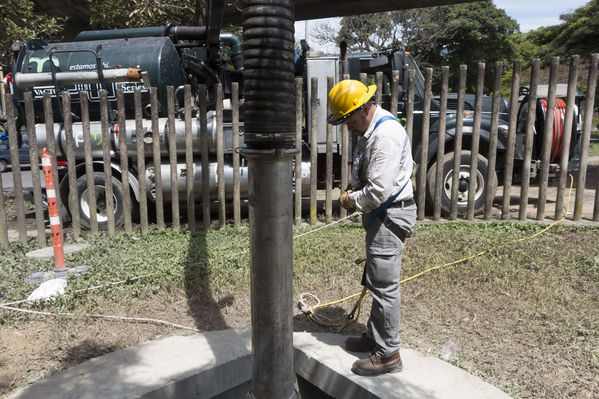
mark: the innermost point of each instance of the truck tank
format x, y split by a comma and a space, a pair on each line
164, 131
157, 56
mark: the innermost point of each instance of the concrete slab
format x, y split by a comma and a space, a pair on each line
198, 366
321, 359
47, 253
218, 364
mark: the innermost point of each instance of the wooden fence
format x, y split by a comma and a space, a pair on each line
121, 165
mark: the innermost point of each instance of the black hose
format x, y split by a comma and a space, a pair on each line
269, 81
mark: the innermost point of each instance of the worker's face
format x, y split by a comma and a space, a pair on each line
358, 122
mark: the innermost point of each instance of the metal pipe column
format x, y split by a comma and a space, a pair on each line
269, 90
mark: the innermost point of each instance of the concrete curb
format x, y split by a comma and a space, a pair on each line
218, 364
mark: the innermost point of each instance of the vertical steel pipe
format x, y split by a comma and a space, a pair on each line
268, 32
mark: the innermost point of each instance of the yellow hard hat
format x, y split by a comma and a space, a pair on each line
346, 97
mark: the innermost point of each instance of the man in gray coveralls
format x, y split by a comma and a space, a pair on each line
381, 189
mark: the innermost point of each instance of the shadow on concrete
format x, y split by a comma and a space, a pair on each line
85, 350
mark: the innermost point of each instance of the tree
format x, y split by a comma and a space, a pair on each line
448, 35
579, 33
20, 22
413, 29
372, 32
143, 13
481, 33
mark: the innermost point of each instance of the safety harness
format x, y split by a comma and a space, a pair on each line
381, 211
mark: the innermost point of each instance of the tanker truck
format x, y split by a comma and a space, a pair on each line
166, 56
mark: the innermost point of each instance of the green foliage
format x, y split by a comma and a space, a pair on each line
21, 22
480, 33
578, 34
144, 13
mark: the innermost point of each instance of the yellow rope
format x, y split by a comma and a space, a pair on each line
339, 325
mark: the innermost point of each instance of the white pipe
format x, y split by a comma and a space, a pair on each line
24, 80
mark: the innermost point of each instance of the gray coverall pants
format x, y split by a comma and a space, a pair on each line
381, 276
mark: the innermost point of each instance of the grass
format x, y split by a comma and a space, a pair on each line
594, 149
523, 316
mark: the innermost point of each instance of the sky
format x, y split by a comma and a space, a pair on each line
530, 14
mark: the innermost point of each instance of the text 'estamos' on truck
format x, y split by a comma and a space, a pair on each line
175, 56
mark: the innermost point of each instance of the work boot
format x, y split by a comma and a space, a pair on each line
376, 364
363, 343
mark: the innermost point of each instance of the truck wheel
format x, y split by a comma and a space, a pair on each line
481, 184
99, 187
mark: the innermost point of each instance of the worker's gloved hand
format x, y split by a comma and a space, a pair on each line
346, 202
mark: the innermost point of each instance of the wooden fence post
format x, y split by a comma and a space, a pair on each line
586, 136
205, 160
438, 185
157, 159
124, 158
567, 137
141, 161
34, 159
72, 173
394, 92
472, 186
3, 223
329, 163
189, 162
410, 105
51, 145
532, 109
235, 133
172, 157
546, 149
378, 95
509, 155
313, 148
299, 114
220, 158
345, 160
109, 192
491, 174
89, 168
457, 146
422, 168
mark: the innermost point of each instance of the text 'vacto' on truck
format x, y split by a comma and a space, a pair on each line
179, 55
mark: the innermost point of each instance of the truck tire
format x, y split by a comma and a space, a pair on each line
481, 186
101, 217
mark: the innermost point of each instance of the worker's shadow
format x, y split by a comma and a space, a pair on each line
202, 306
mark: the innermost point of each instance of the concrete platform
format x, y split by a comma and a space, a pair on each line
218, 364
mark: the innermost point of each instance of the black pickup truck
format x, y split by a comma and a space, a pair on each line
388, 61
